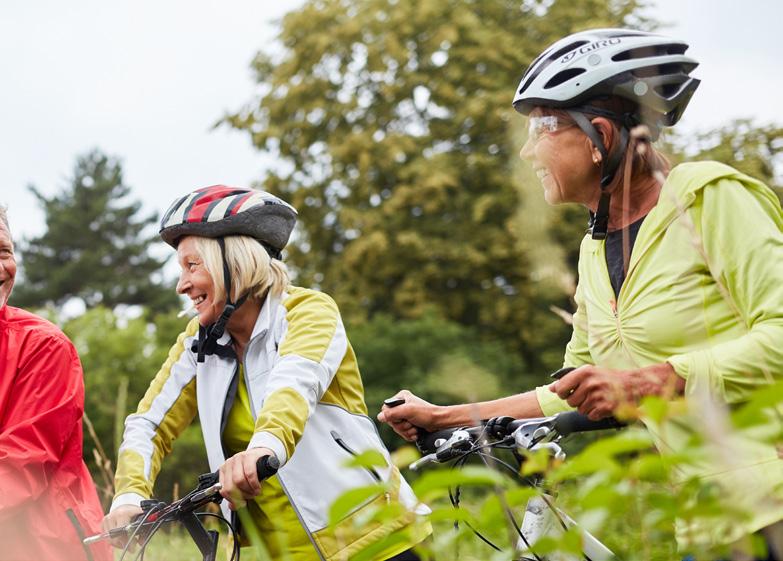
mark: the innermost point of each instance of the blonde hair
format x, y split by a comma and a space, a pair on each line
253, 271
4, 218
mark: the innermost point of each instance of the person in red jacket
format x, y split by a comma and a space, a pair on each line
42, 474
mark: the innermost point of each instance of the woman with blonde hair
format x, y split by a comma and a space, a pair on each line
269, 370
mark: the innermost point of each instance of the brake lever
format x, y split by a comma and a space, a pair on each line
423, 461
458, 443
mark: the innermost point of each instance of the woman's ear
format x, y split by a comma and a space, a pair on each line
606, 130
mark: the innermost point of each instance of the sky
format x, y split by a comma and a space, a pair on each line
147, 80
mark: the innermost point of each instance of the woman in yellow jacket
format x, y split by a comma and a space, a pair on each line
269, 370
679, 291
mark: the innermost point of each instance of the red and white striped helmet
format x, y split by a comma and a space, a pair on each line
217, 211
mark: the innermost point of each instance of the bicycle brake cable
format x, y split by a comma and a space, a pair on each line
134, 532
157, 525
506, 508
234, 535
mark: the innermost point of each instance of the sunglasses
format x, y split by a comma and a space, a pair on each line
537, 126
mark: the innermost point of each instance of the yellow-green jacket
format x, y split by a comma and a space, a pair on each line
304, 387
704, 291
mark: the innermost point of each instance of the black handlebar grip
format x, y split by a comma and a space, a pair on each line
562, 372
267, 466
573, 421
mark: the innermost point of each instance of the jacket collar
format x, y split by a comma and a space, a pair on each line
266, 316
679, 192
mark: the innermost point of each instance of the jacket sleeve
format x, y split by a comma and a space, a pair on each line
739, 229
577, 354
44, 409
167, 408
310, 354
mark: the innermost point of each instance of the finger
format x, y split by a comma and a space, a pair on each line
596, 408
578, 396
117, 543
251, 475
237, 477
563, 388
411, 435
569, 384
227, 485
397, 414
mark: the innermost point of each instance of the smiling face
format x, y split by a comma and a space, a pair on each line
7, 264
196, 283
562, 160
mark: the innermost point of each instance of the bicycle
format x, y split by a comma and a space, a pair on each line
186, 512
541, 517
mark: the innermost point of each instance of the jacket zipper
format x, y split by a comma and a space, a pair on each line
341, 443
279, 475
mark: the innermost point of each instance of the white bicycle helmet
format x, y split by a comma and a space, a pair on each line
648, 69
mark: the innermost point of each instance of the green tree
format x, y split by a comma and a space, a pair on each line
756, 150
94, 247
121, 356
392, 122
438, 359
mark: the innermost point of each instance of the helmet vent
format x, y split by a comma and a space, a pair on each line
668, 91
537, 67
624, 33
651, 51
567, 49
659, 70
564, 76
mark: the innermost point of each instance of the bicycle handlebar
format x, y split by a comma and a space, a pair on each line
563, 424
207, 491
573, 421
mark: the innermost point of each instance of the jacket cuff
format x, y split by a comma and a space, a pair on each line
549, 403
133, 499
696, 368
268, 440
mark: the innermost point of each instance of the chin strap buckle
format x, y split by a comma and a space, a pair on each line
600, 220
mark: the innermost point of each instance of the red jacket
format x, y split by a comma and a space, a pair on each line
42, 473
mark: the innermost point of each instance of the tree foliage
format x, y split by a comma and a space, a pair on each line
756, 150
94, 247
391, 121
118, 352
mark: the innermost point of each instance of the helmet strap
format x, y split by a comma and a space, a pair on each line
599, 221
208, 337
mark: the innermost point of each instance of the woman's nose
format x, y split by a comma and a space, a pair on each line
182, 284
526, 152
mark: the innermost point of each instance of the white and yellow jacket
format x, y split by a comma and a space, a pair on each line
304, 387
